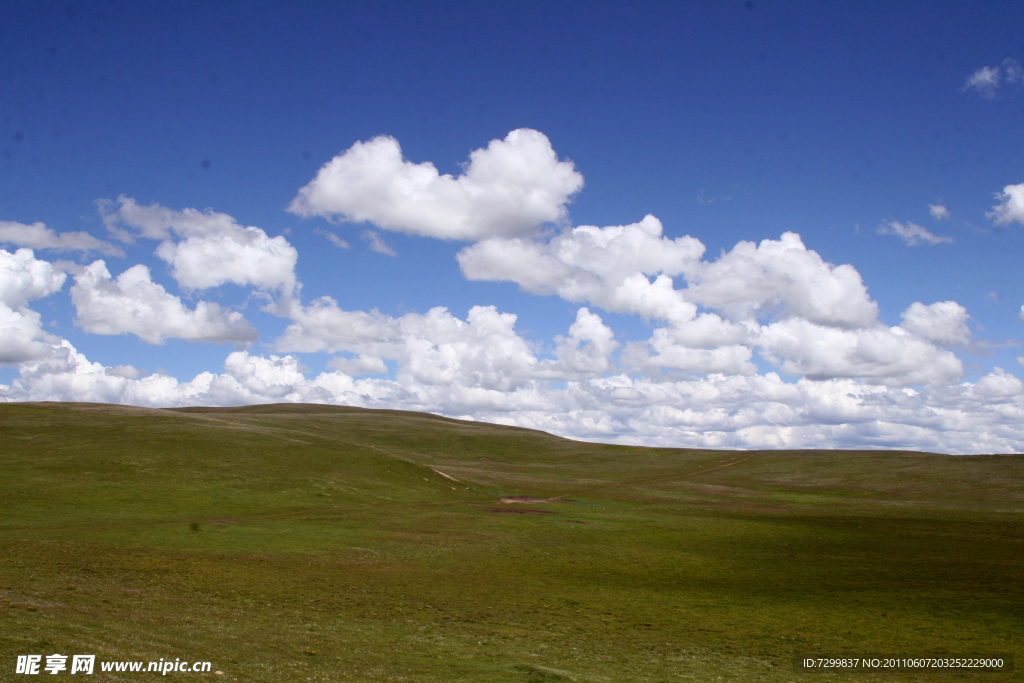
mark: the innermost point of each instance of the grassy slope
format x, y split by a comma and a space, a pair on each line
251, 537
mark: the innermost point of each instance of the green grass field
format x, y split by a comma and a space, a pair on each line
315, 543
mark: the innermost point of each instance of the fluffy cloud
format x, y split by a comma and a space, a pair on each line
21, 336
323, 326
938, 211
733, 359
38, 236
999, 384
612, 268
943, 323
436, 348
585, 352
913, 234
786, 278
1011, 206
24, 278
810, 317
508, 188
877, 355
482, 351
606, 267
207, 249
134, 304
245, 257
825, 325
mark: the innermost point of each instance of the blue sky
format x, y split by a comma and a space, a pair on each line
886, 137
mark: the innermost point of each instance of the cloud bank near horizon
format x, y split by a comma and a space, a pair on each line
766, 346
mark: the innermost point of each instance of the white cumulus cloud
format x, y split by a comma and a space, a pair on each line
943, 323
876, 355
1011, 206
938, 212
24, 278
786, 278
633, 269
613, 268
207, 249
508, 188
22, 337
607, 267
483, 351
732, 359
999, 384
585, 352
323, 326
133, 303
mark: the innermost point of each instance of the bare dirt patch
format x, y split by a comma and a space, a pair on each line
523, 511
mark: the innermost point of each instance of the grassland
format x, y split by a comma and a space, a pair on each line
312, 543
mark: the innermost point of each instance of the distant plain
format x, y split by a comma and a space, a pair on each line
302, 542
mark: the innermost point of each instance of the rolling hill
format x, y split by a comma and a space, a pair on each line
307, 542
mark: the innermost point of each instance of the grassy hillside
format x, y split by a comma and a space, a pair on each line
297, 542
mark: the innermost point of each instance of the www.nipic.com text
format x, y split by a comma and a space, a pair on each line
85, 664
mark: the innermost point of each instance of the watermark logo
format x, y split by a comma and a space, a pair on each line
56, 663
28, 664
